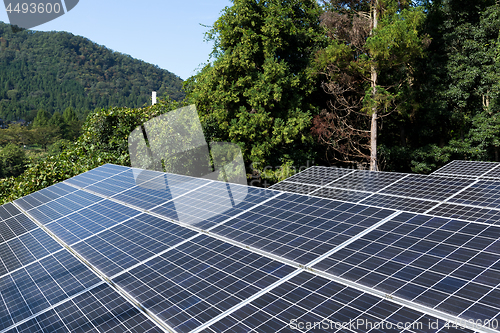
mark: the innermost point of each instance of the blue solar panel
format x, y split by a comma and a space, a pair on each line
7, 211
428, 187
101, 309
300, 228
484, 193
38, 286
96, 175
443, 264
212, 204
131, 242
308, 302
198, 280
201, 255
149, 194
43, 196
469, 213
467, 168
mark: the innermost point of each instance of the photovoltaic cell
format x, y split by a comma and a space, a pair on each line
473, 214
95, 175
300, 228
43, 196
494, 173
15, 226
340, 194
319, 175
485, 193
294, 187
443, 264
330, 306
131, 242
26, 249
100, 309
399, 203
38, 286
7, 211
62, 206
466, 168
213, 203
198, 280
152, 193
429, 187
369, 181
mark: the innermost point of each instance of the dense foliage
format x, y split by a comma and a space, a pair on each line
56, 70
291, 82
259, 90
103, 140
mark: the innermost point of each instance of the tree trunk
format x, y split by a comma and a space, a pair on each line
373, 70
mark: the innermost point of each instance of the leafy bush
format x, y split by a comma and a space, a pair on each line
104, 140
12, 161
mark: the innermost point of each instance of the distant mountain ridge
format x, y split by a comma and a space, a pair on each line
55, 70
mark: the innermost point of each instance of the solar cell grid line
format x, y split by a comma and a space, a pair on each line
15, 226
7, 211
399, 203
340, 194
96, 175
299, 228
44, 196
223, 203
199, 280
90, 220
316, 175
26, 249
436, 188
365, 180
68, 283
153, 193
129, 179
38, 286
310, 299
468, 213
97, 309
294, 187
466, 168
494, 173
127, 244
122, 197
63, 206
445, 265
483, 193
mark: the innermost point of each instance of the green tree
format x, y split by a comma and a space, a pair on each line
368, 66
45, 135
72, 124
12, 161
42, 118
258, 91
16, 134
457, 85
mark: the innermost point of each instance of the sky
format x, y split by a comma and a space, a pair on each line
166, 33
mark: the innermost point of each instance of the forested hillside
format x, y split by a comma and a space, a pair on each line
56, 70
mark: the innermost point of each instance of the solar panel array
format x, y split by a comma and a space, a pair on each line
118, 249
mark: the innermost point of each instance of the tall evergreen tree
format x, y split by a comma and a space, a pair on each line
368, 67
42, 119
